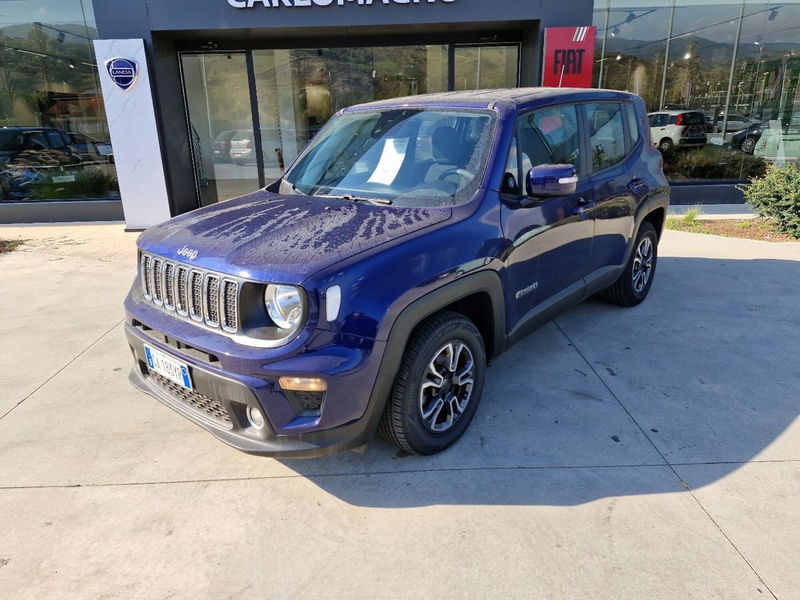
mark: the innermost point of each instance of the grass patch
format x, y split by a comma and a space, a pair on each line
751, 229
10, 245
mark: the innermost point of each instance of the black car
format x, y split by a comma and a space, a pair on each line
746, 139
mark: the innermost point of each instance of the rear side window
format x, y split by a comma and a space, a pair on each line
633, 124
606, 133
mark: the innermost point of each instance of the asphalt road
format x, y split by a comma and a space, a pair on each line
642, 453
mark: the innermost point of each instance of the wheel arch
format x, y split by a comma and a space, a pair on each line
470, 293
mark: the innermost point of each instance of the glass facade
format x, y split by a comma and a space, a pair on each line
721, 80
294, 92
54, 142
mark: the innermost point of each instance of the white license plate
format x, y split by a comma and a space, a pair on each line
168, 367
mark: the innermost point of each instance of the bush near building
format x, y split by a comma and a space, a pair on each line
711, 162
776, 196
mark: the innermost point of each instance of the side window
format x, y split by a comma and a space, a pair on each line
653, 120
606, 133
35, 140
549, 135
633, 124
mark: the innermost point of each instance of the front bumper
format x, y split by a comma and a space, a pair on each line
220, 398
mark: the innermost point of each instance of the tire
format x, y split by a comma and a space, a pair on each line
666, 144
748, 145
634, 283
412, 420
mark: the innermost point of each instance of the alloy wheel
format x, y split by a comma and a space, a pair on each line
447, 386
642, 264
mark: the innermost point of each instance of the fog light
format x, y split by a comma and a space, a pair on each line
255, 417
303, 384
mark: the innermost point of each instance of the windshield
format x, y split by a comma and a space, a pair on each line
410, 157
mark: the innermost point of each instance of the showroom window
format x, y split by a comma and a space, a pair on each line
736, 63
54, 142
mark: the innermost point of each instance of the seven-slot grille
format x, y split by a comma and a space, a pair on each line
200, 295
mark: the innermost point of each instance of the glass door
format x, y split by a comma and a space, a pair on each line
486, 66
220, 117
299, 90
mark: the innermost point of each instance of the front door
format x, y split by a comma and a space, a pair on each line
551, 238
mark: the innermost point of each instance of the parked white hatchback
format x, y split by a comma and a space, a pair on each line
670, 128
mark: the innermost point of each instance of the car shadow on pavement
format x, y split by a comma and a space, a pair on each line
607, 401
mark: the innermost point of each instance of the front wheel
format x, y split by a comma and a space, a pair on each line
637, 277
749, 145
438, 386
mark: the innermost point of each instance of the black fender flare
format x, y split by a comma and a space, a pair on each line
486, 281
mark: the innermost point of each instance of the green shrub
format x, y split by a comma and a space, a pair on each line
90, 183
711, 162
776, 196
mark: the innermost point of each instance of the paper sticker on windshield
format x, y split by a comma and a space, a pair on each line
394, 151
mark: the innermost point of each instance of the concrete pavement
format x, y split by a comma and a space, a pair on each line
644, 453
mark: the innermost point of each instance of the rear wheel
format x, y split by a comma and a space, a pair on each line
637, 277
438, 386
666, 144
749, 145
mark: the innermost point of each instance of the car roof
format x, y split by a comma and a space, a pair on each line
518, 97
675, 112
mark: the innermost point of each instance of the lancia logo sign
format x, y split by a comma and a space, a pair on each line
123, 72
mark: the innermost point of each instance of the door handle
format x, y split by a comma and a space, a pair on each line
635, 185
582, 206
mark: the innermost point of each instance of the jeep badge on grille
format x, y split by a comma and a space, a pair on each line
188, 253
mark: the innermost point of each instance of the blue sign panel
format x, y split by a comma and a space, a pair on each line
123, 72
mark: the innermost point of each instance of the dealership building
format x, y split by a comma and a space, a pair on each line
147, 109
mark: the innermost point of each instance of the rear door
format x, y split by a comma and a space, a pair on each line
550, 238
614, 143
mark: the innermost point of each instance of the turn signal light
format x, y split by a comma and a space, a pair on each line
303, 384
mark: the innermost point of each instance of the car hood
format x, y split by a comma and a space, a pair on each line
283, 239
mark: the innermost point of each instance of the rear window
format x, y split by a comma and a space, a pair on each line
693, 118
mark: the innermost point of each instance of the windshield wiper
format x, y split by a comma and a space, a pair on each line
350, 197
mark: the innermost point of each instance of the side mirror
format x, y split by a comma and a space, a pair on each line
552, 180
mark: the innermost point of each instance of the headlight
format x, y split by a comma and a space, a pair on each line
284, 306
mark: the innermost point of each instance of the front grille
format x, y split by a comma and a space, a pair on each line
169, 286
212, 300
230, 319
183, 297
196, 294
158, 290
202, 404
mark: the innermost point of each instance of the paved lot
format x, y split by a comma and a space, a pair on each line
626, 454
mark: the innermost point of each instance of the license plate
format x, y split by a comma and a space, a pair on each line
168, 367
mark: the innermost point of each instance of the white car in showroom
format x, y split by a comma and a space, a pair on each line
681, 128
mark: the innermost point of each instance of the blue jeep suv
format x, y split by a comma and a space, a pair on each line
409, 243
